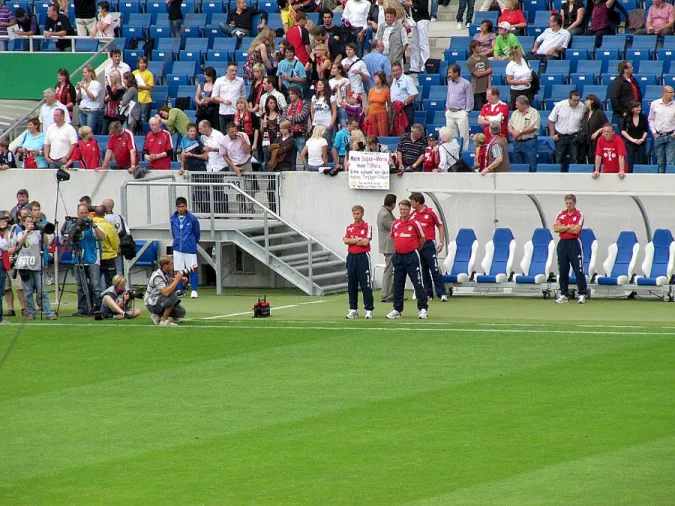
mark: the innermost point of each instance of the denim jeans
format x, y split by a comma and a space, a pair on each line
664, 146
299, 146
145, 113
3, 280
90, 118
342, 116
231, 31
469, 6
434, 9
92, 283
175, 26
526, 152
35, 284
566, 145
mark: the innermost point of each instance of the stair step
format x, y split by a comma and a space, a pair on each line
278, 235
338, 287
328, 275
322, 265
300, 257
288, 245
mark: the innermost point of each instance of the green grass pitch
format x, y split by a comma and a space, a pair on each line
491, 401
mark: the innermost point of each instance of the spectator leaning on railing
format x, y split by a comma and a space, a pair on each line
58, 25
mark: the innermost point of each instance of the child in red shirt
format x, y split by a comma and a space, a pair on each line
87, 151
481, 151
431, 155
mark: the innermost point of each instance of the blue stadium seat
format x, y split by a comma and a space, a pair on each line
162, 55
86, 46
197, 45
548, 167
196, 19
161, 19
434, 105
645, 42
637, 55
193, 56
212, 7
173, 81
498, 261
156, 7
269, 6
453, 55
188, 68
650, 67
438, 118
613, 42
212, 33
577, 56
150, 255
539, 24
536, 5
458, 266
131, 31
658, 262
645, 169
581, 168
241, 55
188, 6
438, 93
537, 258
160, 96
607, 55
191, 31
621, 260
595, 89
157, 68
127, 7
213, 55
587, 43
653, 93
138, 19
187, 91
131, 56
479, 16
645, 80
225, 44
167, 44
589, 247
520, 167
563, 67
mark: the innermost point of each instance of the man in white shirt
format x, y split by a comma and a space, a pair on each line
48, 108
226, 91
552, 42
357, 70
403, 90
355, 15
211, 139
564, 124
60, 141
271, 91
116, 64
662, 125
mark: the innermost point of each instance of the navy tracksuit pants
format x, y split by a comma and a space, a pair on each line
571, 253
358, 273
408, 264
430, 270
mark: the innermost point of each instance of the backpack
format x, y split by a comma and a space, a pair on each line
127, 243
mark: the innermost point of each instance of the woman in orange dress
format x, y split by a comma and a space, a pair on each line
379, 108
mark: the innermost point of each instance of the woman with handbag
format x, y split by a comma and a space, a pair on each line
113, 96
206, 108
450, 153
32, 145
130, 111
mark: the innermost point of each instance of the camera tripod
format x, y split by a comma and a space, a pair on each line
81, 274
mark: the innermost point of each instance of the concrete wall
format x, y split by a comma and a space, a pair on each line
321, 205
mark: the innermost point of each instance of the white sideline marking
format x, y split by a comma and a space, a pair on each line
360, 329
251, 312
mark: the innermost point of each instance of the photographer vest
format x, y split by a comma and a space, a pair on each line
29, 256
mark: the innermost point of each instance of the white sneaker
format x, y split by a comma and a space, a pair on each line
369, 315
393, 315
562, 299
167, 323
155, 318
460, 25
444, 298
581, 299
353, 314
194, 294
467, 25
423, 314
432, 20
177, 321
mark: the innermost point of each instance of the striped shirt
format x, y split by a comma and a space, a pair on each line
411, 150
6, 16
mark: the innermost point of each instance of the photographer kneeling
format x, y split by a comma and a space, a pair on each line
117, 301
161, 298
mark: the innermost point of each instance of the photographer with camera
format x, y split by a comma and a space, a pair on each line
109, 246
161, 299
117, 301
84, 237
26, 241
13, 280
4, 255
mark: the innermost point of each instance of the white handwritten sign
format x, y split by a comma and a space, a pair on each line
368, 171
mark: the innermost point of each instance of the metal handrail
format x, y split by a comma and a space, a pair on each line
123, 192
32, 112
266, 211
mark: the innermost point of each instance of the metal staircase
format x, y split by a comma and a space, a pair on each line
290, 253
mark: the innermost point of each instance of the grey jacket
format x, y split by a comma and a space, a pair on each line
395, 46
385, 219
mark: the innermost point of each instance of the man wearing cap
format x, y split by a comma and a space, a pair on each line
432, 157
505, 41
458, 104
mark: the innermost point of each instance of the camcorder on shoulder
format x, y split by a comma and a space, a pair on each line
73, 228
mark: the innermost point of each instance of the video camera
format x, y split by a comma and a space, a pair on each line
45, 227
73, 228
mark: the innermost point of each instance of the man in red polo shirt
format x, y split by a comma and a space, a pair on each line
357, 238
298, 36
408, 240
158, 147
121, 147
429, 220
495, 111
569, 224
611, 153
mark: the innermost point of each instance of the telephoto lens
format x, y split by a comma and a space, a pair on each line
186, 272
